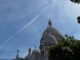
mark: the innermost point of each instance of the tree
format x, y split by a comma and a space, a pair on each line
75, 1
78, 19
66, 49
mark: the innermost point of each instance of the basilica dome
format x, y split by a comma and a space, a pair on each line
35, 51
53, 31
48, 39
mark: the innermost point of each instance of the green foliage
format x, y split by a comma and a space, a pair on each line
68, 48
78, 19
75, 1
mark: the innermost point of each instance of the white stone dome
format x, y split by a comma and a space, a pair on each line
53, 31
35, 51
48, 39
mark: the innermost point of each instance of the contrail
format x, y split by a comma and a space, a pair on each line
0, 6
5, 42
24, 27
32, 20
29, 23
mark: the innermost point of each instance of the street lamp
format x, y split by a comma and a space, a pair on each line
17, 56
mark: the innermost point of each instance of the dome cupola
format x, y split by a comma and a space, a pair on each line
53, 31
49, 23
48, 40
29, 49
35, 51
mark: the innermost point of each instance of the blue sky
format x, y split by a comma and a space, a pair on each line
22, 23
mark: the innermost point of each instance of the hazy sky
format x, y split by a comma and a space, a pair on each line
22, 23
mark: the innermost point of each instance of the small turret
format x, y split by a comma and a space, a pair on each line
49, 23
29, 51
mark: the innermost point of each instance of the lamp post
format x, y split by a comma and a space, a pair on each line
17, 56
